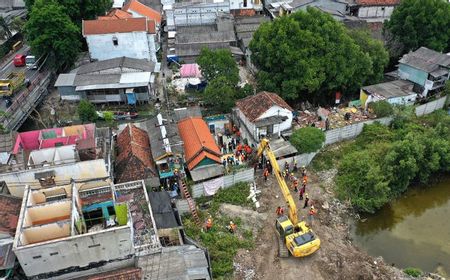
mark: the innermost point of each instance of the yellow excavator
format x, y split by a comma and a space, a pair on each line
295, 237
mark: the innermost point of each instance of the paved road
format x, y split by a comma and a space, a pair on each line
8, 67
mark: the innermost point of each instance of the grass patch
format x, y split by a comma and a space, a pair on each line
329, 157
221, 244
413, 271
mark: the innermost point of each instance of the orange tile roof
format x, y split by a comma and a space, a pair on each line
116, 14
92, 27
198, 141
143, 10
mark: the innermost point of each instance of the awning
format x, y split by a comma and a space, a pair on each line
270, 120
45, 174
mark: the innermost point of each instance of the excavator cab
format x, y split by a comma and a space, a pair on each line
303, 242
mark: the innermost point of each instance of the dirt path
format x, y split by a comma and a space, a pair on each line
337, 257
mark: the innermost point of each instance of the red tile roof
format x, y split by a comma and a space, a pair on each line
9, 213
134, 160
254, 106
143, 10
92, 27
121, 274
198, 141
377, 2
116, 14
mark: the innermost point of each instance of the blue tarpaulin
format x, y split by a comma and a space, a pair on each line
131, 97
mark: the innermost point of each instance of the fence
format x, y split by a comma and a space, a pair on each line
302, 159
430, 107
350, 131
247, 175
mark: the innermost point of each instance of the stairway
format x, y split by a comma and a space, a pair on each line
191, 202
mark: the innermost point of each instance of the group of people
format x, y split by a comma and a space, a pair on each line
231, 227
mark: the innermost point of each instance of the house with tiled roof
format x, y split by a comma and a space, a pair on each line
373, 10
134, 159
111, 37
264, 114
201, 153
116, 14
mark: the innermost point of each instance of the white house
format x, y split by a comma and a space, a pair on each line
83, 228
265, 114
121, 37
194, 13
398, 92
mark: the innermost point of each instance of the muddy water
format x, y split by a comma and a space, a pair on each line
413, 231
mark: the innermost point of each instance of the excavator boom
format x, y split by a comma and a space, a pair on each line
292, 213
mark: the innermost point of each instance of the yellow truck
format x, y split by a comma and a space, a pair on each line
12, 84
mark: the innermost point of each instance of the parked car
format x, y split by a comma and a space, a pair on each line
20, 60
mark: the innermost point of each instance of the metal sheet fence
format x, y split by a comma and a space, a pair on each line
246, 175
430, 107
302, 159
350, 131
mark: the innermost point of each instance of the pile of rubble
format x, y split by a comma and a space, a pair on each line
335, 117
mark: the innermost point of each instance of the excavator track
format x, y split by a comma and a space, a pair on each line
283, 252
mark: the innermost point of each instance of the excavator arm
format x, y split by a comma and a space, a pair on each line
292, 213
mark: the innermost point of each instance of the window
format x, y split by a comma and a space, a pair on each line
245, 3
93, 246
37, 257
115, 41
54, 254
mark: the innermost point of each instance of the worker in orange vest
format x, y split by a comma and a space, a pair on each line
280, 211
209, 223
266, 174
232, 227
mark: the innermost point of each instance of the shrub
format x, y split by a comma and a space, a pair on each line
109, 117
86, 111
307, 139
412, 271
381, 108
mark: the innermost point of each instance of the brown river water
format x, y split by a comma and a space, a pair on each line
412, 231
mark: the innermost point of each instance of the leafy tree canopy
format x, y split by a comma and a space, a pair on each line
309, 55
79, 10
219, 95
218, 63
49, 30
86, 111
307, 139
421, 23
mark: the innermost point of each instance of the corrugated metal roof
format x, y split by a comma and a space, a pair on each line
119, 62
426, 59
205, 172
184, 262
391, 89
65, 80
162, 210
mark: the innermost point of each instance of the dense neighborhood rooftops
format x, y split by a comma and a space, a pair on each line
143, 10
377, 2
95, 27
426, 60
198, 142
134, 160
390, 89
9, 213
255, 105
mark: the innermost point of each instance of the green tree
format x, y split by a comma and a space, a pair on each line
219, 95
109, 117
86, 111
307, 139
218, 63
381, 108
361, 180
421, 23
308, 55
50, 31
78, 10
374, 48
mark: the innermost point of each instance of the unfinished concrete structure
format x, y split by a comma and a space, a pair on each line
79, 229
